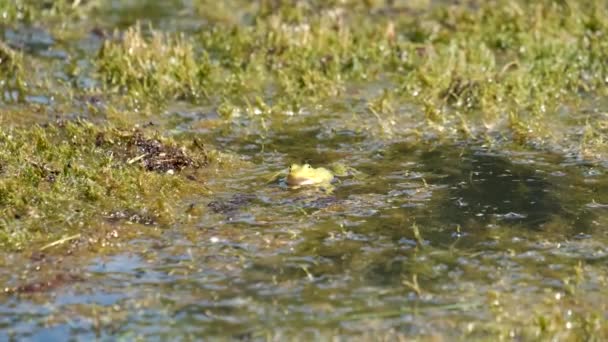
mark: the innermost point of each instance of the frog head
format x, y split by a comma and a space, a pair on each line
307, 175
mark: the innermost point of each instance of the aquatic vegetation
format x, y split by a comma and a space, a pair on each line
12, 84
159, 68
61, 178
478, 66
468, 138
32, 10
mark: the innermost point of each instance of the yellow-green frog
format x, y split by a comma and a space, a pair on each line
300, 175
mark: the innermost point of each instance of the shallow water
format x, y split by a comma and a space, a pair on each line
431, 239
496, 230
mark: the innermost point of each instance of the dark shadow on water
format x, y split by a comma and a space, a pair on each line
485, 188
482, 194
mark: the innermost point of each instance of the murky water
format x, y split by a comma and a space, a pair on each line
434, 239
430, 239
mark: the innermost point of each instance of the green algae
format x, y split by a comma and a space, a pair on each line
59, 180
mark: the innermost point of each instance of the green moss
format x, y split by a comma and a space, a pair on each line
156, 68
497, 58
65, 179
33, 10
12, 85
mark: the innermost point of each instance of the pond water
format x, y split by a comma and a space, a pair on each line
426, 240
431, 236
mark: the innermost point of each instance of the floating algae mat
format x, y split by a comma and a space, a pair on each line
457, 186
